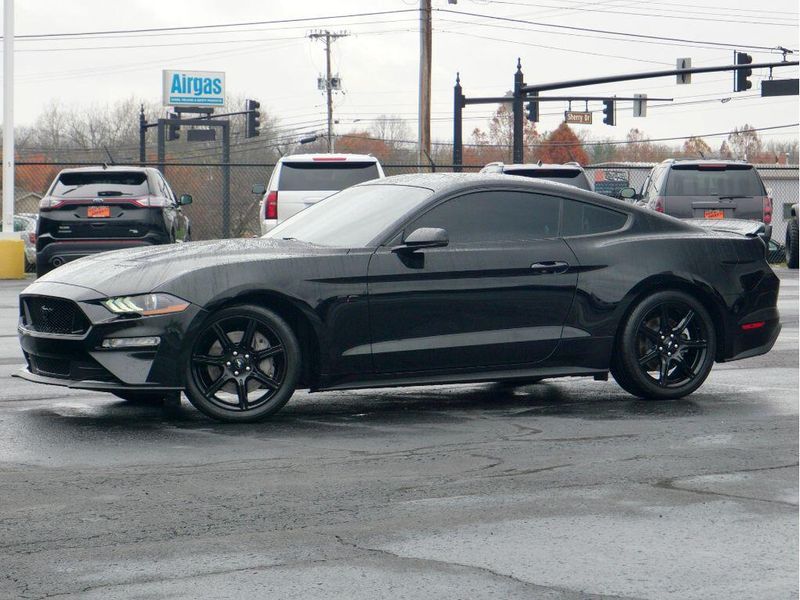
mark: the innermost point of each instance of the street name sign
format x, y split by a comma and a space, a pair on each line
577, 118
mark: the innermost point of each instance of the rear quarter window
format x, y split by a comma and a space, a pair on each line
324, 176
580, 218
708, 181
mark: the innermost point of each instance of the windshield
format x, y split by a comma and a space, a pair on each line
352, 218
101, 183
573, 177
324, 176
725, 180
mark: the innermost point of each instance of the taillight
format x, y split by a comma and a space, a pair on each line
767, 210
659, 207
271, 208
754, 325
49, 203
32, 237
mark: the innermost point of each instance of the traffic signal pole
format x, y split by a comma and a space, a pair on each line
518, 105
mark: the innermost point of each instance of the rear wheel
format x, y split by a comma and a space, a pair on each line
792, 244
243, 366
666, 348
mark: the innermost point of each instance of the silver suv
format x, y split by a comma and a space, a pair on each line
570, 173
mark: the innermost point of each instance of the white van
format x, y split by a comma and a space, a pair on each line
301, 180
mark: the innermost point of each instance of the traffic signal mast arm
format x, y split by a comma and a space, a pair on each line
559, 85
500, 99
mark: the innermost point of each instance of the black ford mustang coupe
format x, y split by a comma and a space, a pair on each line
422, 279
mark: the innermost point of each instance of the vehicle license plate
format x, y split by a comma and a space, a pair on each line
94, 212
714, 214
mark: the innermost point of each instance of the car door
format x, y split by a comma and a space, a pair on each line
496, 295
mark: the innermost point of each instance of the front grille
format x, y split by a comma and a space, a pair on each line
53, 315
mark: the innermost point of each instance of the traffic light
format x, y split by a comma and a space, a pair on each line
253, 115
173, 129
608, 112
533, 112
741, 81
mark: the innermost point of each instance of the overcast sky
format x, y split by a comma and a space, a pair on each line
378, 61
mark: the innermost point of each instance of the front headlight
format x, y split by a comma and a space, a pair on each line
145, 304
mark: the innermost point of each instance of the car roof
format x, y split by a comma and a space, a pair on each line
549, 166
332, 157
705, 161
106, 168
454, 182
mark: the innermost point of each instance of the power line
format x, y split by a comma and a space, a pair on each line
602, 143
560, 49
649, 14
606, 31
215, 26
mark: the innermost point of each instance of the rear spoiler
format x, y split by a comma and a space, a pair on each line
743, 227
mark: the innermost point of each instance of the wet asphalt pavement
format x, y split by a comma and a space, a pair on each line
562, 490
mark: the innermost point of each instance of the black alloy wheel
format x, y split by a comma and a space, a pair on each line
243, 366
666, 348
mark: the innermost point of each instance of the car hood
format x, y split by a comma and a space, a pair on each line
140, 270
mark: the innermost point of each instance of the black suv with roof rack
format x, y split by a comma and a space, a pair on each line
706, 189
94, 209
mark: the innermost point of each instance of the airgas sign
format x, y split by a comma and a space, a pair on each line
194, 88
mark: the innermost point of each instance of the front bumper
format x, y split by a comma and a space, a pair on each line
89, 384
79, 361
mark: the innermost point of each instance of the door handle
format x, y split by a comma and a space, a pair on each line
550, 266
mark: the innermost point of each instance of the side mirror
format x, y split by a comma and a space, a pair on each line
627, 193
185, 199
260, 189
424, 237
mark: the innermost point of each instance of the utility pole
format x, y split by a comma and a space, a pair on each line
8, 116
330, 82
425, 52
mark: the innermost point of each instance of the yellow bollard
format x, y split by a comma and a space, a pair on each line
12, 258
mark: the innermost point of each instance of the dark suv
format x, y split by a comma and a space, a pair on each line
95, 209
707, 189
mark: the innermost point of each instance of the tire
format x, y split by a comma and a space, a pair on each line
666, 348
243, 365
792, 243
141, 397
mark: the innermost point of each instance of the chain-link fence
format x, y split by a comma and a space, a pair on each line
204, 181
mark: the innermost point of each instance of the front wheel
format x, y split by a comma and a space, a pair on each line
666, 348
243, 365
